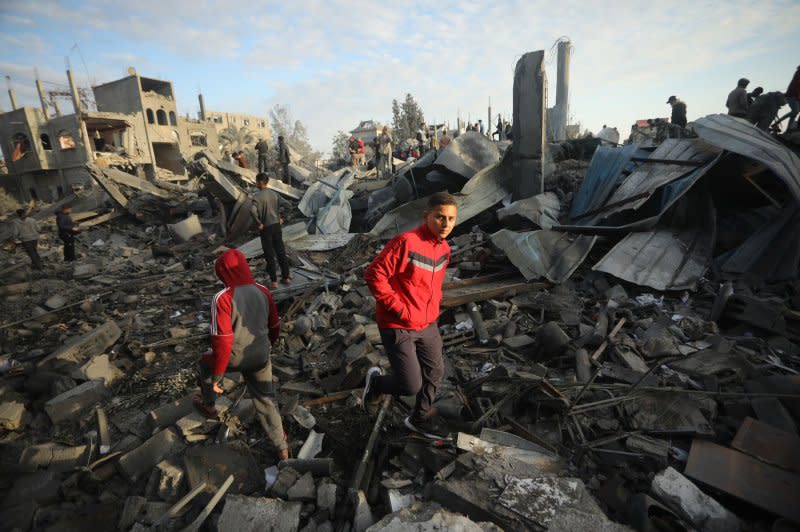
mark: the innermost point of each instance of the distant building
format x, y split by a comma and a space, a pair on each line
136, 128
367, 130
258, 126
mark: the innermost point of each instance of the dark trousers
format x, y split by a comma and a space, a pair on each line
262, 163
417, 365
69, 245
261, 391
30, 248
285, 173
272, 244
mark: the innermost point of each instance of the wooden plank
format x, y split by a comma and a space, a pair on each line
745, 477
454, 297
768, 444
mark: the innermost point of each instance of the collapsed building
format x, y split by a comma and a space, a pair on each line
622, 345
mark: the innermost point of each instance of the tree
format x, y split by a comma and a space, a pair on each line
294, 133
235, 139
340, 152
407, 118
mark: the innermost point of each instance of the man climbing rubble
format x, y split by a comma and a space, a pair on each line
406, 280
678, 117
244, 326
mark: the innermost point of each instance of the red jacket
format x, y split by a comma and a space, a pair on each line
244, 318
406, 280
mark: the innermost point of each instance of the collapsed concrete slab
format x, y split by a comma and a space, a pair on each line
142, 459
682, 495
77, 351
429, 517
254, 514
75, 401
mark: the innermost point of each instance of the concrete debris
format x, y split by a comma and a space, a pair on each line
621, 334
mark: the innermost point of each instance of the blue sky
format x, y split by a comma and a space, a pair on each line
335, 63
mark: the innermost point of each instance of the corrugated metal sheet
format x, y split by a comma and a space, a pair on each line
739, 136
638, 187
550, 254
604, 173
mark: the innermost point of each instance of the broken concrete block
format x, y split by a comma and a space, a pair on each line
287, 477
54, 457
186, 229
363, 518
92, 343
11, 413
75, 401
133, 507
140, 460
170, 479
254, 514
303, 490
682, 495
98, 368
41, 486
84, 271
169, 413
55, 302
326, 498
356, 351
429, 516
552, 339
195, 426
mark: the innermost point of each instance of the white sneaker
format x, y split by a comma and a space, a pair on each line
371, 372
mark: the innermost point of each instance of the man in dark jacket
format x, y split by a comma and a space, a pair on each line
737, 99
765, 109
244, 326
284, 160
266, 214
678, 111
262, 148
793, 99
67, 229
406, 281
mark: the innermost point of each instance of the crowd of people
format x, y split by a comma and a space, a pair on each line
282, 158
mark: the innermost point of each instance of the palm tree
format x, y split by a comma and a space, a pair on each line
234, 139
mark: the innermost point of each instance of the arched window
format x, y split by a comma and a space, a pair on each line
45, 138
161, 116
150, 118
173, 121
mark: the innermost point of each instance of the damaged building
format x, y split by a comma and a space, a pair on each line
136, 128
621, 332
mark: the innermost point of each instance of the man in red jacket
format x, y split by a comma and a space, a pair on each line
244, 325
406, 280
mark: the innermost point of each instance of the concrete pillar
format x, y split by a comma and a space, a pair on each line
42, 99
57, 107
73, 89
562, 90
528, 128
489, 127
202, 108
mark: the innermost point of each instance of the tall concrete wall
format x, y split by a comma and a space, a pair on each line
528, 128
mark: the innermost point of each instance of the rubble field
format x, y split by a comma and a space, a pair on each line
622, 350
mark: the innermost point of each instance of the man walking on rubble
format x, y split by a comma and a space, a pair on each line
26, 233
406, 281
262, 148
67, 229
737, 99
266, 214
284, 160
793, 99
386, 152
765, 109
678, 117
244, 326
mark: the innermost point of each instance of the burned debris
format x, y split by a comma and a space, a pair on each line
620, 336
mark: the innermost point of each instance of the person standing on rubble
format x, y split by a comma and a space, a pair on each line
266, 214
67, 229
445, 140
244, 326
406, 281
385, 141
678, 117
241, 159
765, 109
262, 148
737, 99
352, 148
793, 99
284, 160
26, 233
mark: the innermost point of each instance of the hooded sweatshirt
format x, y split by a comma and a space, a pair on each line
244, 318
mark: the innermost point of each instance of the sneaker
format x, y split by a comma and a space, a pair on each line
428, 427
366, 396
287, 280
273, 285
